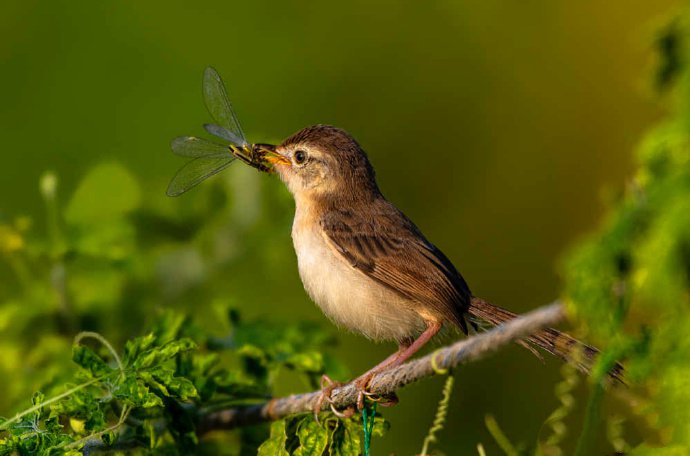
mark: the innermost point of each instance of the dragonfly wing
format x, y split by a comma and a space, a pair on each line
196, 171
193, 147
218, 104
217, 130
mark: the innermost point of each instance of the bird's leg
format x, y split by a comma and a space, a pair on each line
328, 384
405, 351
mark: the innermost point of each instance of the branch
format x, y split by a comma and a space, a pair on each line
389, 381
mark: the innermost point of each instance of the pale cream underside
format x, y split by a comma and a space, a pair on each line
346, 295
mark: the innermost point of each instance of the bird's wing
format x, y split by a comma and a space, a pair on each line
389, 248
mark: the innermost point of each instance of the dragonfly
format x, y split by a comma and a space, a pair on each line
208, 157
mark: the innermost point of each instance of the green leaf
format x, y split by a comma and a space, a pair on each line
136, 394
169, 385
107, 193
346, 438
89, 360
135, 346
37, 398
275, 445
158, 355
82, 405
313, 438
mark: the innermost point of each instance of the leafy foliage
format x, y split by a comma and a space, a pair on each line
628, 286
302, 436
108, 263
158, 389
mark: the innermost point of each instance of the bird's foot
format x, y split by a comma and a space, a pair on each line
327, 387
362, 386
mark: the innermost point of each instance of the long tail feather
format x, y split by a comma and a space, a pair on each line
553, 341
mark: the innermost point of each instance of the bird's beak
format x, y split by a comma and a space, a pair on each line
271, 155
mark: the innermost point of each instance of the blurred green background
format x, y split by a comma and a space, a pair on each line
496, 126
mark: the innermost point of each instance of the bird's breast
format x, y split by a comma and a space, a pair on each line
345, 294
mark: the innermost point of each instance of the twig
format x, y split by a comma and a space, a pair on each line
385, 383
388, 382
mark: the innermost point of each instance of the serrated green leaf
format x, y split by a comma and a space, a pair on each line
82, 405
170, 385
89, 360
151, 381
158, 355
346, 438
313, 438
275, 444
182, 388
136, 394
37, 398
134, 347
381, 426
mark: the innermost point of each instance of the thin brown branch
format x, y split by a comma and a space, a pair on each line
388, 382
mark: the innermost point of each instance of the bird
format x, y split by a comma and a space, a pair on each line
369, 267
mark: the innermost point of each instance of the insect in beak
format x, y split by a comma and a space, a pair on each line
271, 155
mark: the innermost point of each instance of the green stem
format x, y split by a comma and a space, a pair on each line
17, 417
499, 436
94, 335
440, 418
592, 419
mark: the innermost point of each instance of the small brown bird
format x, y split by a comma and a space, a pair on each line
367, 266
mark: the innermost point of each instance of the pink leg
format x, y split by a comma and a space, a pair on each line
405, 351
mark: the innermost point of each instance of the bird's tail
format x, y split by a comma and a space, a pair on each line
555, 342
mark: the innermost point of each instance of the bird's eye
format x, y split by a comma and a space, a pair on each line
300, 157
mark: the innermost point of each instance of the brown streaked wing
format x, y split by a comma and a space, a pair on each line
389, 248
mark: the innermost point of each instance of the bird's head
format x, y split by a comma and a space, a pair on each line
324, 162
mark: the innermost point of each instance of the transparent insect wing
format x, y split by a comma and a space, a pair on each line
195, 171
193, 147
218, 105
217, 130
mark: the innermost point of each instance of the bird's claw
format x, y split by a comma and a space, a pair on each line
327, 387
362, 385
347, 412
389, 400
